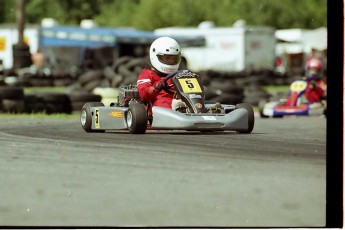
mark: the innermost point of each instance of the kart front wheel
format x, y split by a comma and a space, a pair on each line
86, 116
136, 118
250, 111
261, 108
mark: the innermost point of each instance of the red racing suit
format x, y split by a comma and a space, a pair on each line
145, 82
315, 91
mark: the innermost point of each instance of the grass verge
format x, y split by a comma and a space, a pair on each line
274, 89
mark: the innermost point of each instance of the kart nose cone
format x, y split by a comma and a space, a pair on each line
83, 117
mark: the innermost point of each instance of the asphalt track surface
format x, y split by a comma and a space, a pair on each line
53, 173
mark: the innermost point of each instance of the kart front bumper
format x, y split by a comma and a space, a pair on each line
236, 120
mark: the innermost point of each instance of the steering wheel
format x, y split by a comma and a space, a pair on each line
168, 88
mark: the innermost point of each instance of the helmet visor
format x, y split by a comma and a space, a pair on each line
312, 71
169, 59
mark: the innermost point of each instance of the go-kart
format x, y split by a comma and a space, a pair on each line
294, 104
136, 115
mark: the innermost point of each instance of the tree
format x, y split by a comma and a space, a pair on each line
152, 14
7, 11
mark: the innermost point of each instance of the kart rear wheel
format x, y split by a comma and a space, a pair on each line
136, 118
86, 116
250, 111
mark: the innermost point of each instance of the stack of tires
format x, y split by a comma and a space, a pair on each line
12, 99
221, 88
123, 71
236, 87
55, 102
224, 91
21, 56
77, 100
254, 94
90, 80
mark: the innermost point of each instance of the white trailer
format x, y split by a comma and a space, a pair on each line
228, 48
9, 37
294, 46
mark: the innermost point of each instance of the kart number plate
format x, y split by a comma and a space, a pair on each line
190, 85
298, 86
97, 125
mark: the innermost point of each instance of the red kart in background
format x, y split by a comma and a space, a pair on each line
295, 104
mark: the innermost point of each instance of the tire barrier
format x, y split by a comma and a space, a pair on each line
79, 99
223, 90
225, 87
237, 87
34, 104
13, 100
55, 102
33, 77
254, 94
123, 71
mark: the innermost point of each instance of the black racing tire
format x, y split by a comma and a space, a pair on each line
227, 87
34, 104
116, 81
55, 102
136, 118
134, 62
119, 62
86, 116
210, 93
91, 85
77, 105
79, 99
124, 71
108, 73
130, 79
84, 97
53, 97
13, 106
91, 75
251, 118
12, 92
226, 98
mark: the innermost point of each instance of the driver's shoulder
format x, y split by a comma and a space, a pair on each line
147, 73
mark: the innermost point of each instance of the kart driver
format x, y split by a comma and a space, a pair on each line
316, 88
165, 58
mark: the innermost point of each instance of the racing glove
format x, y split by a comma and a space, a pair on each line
158, 86
313, 84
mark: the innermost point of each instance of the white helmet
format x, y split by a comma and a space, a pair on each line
165, 55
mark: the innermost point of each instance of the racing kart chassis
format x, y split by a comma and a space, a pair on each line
296, 104
136, 115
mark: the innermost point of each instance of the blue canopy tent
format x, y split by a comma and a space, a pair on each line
104, 36
95, 37
69, 45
